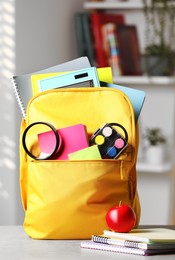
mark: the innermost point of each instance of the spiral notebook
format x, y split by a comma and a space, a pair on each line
127, 250
128, 243
22, 85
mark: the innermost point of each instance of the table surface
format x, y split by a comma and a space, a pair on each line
16, 245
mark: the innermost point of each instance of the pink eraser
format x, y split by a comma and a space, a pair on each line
73, 138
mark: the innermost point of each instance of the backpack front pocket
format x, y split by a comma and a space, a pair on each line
72, 197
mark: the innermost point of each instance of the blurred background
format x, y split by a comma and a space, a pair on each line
38, 34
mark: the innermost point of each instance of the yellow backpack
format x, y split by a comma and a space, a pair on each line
68, 199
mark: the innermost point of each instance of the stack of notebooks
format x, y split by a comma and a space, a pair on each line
76, 73
144, 242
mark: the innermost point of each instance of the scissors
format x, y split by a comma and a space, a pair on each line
55, 148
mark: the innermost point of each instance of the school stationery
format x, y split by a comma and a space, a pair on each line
104, 74
85, 77
73, 138
110, 142
126, 250
133, 244
89, 153
136, 96
150, 235
54, 140
22, 83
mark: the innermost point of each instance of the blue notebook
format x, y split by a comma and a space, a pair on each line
136, 96
88, 76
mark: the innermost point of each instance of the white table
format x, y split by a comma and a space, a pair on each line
16, 245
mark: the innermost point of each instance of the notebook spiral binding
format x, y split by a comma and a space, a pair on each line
99, 239
106, 240
18, 97
131, 244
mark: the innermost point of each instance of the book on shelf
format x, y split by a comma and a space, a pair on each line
98, 21
111, 47
129, 48
79, 35
84, 36
88, 38
126, 250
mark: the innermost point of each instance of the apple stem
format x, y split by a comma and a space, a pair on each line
120, 203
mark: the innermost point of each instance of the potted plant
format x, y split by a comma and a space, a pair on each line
155, 152
159, 54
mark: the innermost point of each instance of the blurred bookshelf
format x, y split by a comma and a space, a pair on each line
143, 166
120, 7
136, 78
103, 37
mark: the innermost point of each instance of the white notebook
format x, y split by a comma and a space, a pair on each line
127, 250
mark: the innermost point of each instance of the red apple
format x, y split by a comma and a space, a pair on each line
121, 218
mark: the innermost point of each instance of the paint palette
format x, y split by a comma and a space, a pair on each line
109, 141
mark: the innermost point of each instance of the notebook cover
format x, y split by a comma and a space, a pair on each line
22, 84
130, 56
73, 138
127, 250
136, 96
146, 235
